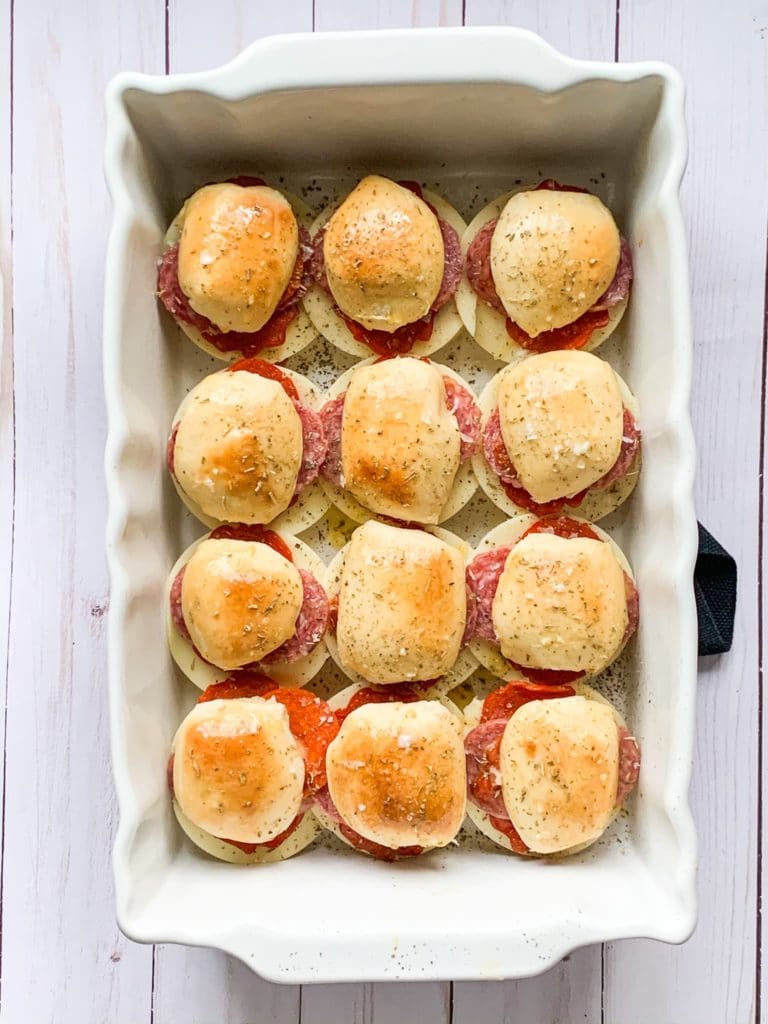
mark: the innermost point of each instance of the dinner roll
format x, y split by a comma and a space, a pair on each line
238, 772
559, 764
397, 775
562, 420
400, 446
240, 601
561, 604
237, 251
384, 255
553, 254
402, 604
238, 447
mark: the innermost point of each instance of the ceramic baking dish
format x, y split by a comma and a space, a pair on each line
470, 112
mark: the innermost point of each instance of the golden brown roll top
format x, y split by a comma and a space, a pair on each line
238, 772
240, 601
400, 446
559, 765
384, 255
561, 604
562, 419
397, 775
237, 251
553, 254
402, 605
238, 447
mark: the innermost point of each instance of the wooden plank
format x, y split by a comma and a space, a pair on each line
576, 29
335, 15
62, 956
572, 990
7, 440
204, 35
712, 977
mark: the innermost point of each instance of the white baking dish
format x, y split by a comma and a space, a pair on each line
472, 111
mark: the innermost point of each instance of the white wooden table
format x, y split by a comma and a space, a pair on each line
62, 958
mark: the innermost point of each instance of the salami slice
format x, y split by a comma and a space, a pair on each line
177, 615
479, 272
482, 576
482, 746
470, 626
310, 625
629, 765
271, 335
463, 407
633, 606
314, 447
325, 802
170, 450
630, 446
332, 415
618, 290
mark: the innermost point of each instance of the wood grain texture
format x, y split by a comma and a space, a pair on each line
338, 15
578, 29
7, 475
712, 977
62, 956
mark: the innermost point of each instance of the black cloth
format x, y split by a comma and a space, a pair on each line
714, 583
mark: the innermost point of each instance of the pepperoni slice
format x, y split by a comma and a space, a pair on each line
264, 369
548, 676
561, 526
571, 336
399, 342
505, 826
253, 532
505, 701
315, 726
384, 695
177, 613
271, 844
242, 684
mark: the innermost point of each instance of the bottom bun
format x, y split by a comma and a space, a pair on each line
221, 850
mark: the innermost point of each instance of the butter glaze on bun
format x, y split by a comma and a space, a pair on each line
559, 764
553, 254
238, 447
240, 601
238, 772
237, 251
384, 255
561, 416
402, 604
397, 775
560, 604
400, 444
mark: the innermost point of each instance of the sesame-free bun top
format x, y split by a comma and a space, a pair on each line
238, 447
402, 604
553, 254
237, 251
238, 772
400, 445
240, 601
384, 255
562, 420
561, 604
559, 764
397, 775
